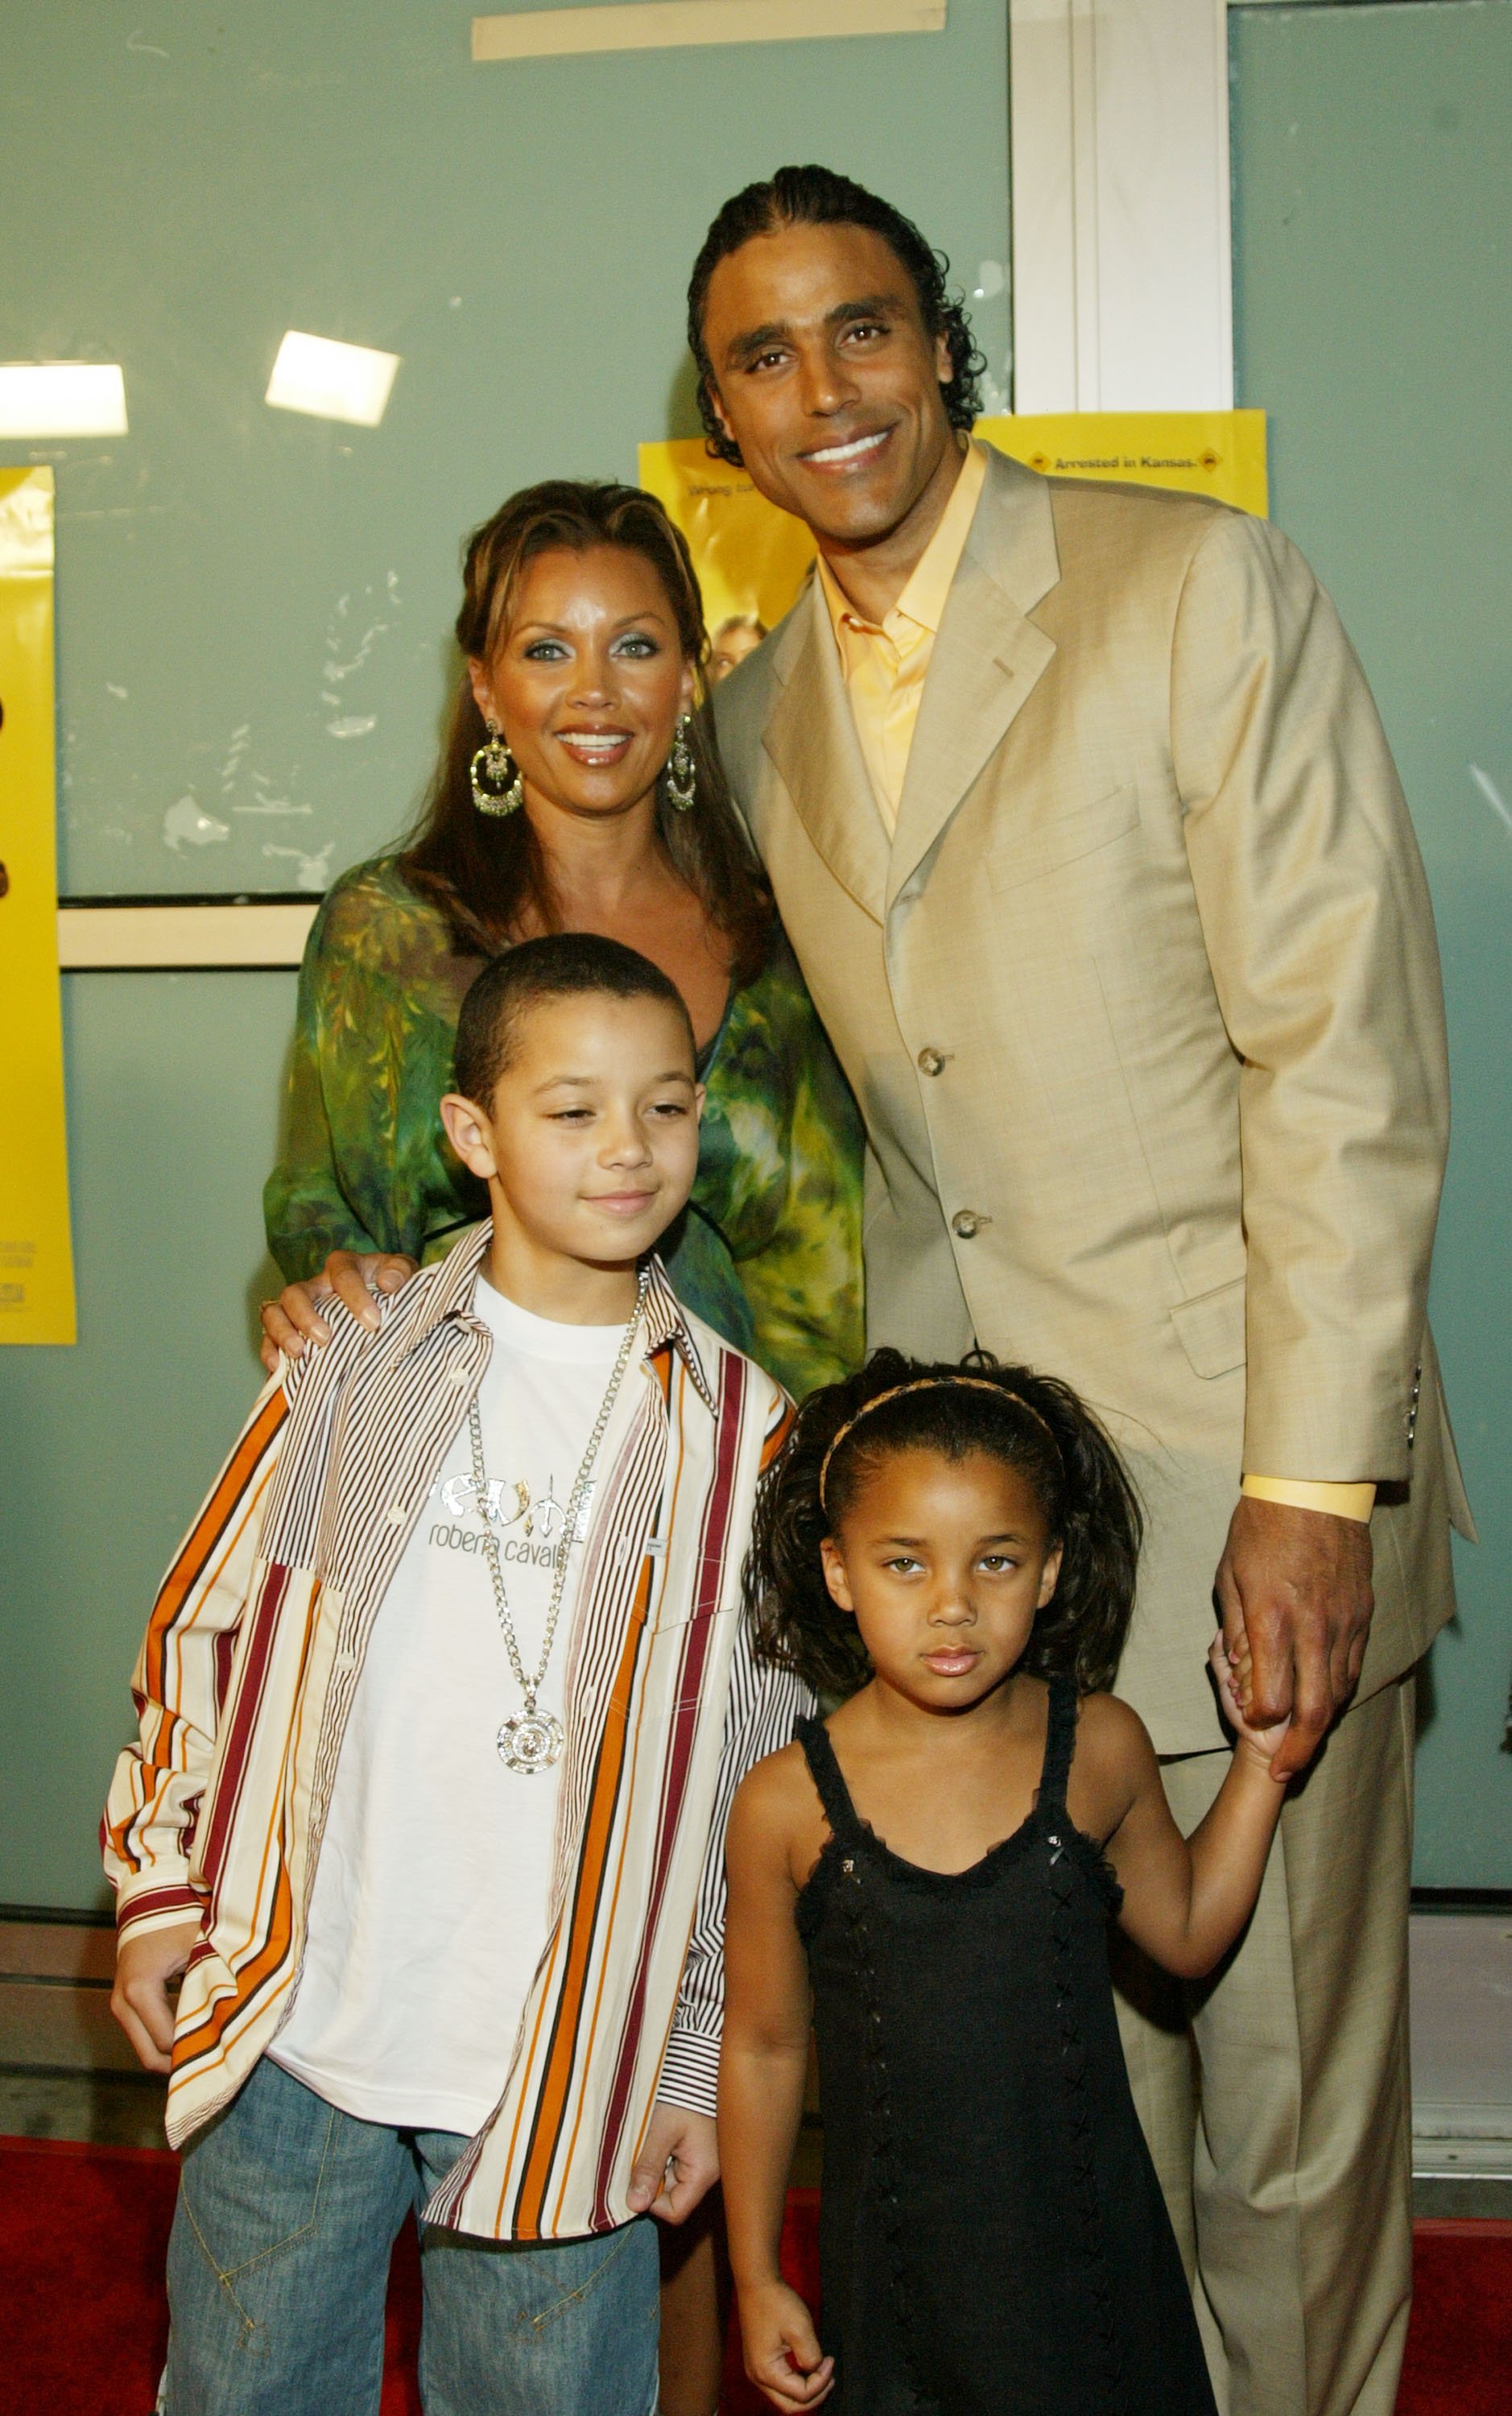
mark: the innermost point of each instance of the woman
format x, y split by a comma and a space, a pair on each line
579, 789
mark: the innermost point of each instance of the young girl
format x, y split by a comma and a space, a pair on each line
932, 1870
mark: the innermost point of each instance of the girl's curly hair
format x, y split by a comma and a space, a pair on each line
819, 197
1035, 1423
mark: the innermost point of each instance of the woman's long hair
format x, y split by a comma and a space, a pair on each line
1032, 1422
488, 875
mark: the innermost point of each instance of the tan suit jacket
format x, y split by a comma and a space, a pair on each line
1142, 1006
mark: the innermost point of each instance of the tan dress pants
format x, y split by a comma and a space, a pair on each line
1275, 2094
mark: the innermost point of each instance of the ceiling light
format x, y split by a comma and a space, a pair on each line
62, 398
331, 381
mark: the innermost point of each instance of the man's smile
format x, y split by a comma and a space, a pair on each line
854, 451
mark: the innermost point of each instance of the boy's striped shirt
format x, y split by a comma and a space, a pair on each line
247, 1673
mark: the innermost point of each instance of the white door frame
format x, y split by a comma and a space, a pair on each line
1122, 248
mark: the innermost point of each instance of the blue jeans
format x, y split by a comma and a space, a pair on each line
278, 2272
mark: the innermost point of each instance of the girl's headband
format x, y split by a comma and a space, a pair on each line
929, 1384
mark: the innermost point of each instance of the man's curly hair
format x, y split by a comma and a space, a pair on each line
818, 197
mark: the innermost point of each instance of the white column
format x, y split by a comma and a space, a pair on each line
1122, 270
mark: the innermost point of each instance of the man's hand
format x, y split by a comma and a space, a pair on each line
145, 1961
1293, 1587
678, 2163
294, 1318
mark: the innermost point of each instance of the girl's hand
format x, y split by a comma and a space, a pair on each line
1232, 1675
294, 1318
782, 2348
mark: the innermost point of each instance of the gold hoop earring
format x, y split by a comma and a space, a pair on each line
493, 762
681, 774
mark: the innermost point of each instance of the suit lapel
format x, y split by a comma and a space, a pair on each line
810, 739
987, 658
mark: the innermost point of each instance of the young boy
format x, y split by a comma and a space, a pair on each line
443, 1702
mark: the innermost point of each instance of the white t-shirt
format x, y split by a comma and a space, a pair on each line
429, 1911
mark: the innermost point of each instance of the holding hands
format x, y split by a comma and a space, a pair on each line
1295, 1585
1234, 1676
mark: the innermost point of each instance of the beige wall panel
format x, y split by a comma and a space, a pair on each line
676, 25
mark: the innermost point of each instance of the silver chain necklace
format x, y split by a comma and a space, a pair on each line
533, 1739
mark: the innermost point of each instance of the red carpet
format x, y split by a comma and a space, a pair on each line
82, 2232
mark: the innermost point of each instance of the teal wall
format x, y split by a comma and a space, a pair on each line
174, 1082
1373, 320
178, 185
181, 183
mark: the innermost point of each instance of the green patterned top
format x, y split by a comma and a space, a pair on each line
769, 1248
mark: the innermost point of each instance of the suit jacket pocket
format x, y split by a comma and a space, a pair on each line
1211, 1328
1059, 838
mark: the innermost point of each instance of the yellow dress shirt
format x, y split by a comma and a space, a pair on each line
884, 666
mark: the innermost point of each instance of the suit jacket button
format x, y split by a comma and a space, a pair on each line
966, 1224
931, 1062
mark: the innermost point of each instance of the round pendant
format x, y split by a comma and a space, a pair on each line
530, 1741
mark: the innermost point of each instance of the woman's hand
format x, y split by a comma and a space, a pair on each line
347, 1275
145, 1961
782, 2348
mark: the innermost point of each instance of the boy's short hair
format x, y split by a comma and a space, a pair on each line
563, 964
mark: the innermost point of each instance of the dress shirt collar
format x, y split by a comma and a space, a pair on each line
921, 604
662, 1317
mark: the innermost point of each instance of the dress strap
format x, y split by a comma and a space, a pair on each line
1060, 1743
825, 1771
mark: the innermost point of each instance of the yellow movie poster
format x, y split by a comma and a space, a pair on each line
752, 559
35, 1253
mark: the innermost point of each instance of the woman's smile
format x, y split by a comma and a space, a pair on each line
595, 748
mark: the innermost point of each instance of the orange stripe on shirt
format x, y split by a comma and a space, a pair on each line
778, 1436
205, 2037
251, 1977
200, 1541
665, 1371
551, 2102
161, 1755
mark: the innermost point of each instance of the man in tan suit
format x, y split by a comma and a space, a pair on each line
1081, 820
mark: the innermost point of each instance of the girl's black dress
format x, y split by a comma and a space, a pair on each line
992, 2240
